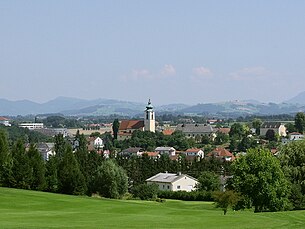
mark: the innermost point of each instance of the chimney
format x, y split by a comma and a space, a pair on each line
179, 173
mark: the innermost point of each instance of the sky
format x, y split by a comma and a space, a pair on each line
171, 51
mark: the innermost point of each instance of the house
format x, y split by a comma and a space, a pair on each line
224, 130
278, 128
295, 136
171, 151
46, 150
168, 131
154, 155
132, 151
95, 143
193, 130
5, 121
193, 154
221, 153
173, 182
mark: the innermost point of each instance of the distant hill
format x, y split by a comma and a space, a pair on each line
82, 107
298, 99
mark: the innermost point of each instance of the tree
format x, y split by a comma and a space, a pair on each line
258, 176
21, 170
70, 178
209, 181
5, 159
38, 168
292, 157
52, 174
238, 130
300, 122
256, 123
111, 180
270, 135
225, 200
115, 128
60, 145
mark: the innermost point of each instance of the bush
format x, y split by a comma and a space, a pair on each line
187, 196
145, 191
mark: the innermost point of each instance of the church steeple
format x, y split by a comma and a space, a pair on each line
149, 117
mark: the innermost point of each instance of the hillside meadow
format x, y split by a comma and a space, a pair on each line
30, 209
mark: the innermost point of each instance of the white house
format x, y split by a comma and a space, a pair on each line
296, 136
4, 121
46, 150
173, 182
171, 151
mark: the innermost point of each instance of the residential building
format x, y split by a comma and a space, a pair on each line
193, 154
46, 150
95, 143
132, 151
295, 136
171, 151
221, 153
5, 121
173, 182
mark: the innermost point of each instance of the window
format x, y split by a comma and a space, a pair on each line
167, 186
178, 187
163, 186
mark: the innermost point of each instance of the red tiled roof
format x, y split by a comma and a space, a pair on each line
168, 132
193, 150
152, 154
3, 119
131, 124
220, 152
224, 130
295, 133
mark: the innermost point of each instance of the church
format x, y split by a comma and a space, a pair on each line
127, 127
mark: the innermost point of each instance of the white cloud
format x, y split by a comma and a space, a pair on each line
202, 71
138, 74
168, 70
250, 73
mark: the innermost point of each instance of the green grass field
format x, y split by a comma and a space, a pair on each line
29, 209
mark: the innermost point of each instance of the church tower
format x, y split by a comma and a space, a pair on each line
149, 118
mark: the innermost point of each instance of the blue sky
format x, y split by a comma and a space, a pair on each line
170, 51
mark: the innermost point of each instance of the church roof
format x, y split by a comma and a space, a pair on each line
131, 124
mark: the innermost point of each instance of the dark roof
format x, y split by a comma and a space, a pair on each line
195, 128
271, 125
132, 150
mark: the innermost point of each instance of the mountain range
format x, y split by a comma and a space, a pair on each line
82, 107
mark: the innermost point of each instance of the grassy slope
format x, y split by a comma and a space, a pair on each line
28, 209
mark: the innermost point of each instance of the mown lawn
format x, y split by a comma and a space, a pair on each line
29, 209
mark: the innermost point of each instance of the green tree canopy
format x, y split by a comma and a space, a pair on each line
209, 181
259, 177
111, 180
300, 122
292, 157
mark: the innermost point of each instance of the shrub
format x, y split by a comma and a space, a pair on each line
145, 191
